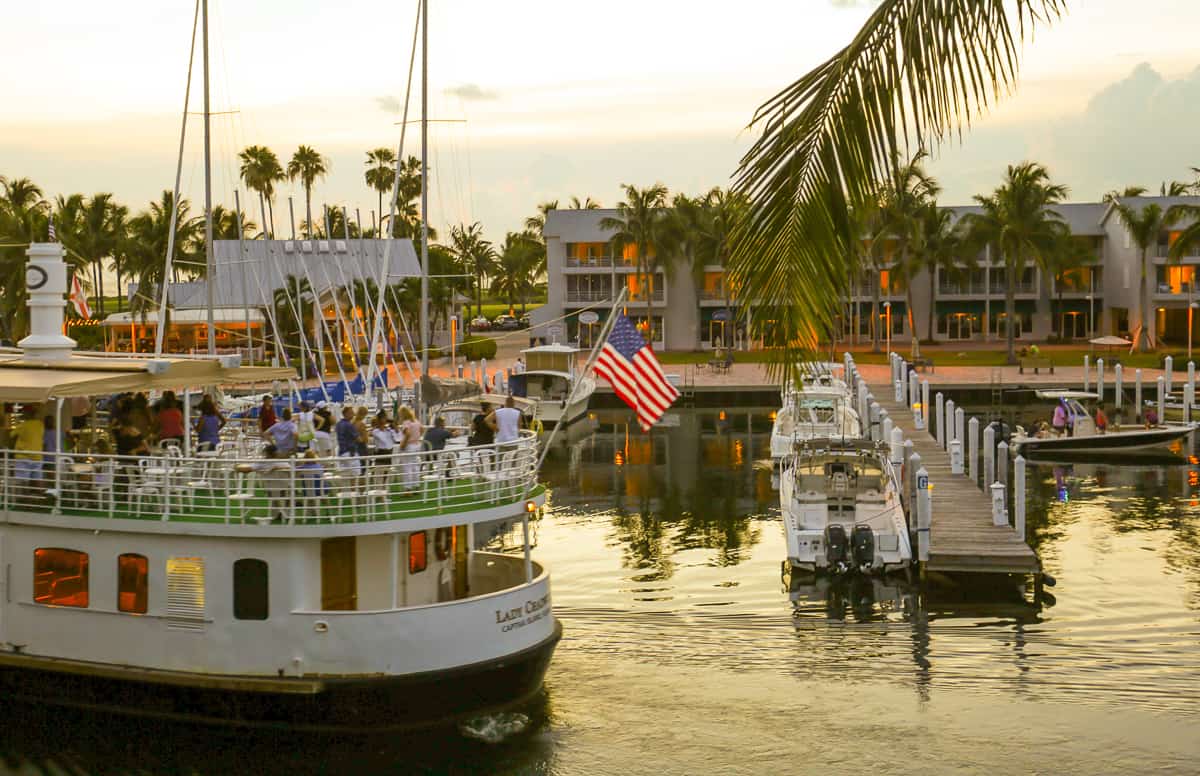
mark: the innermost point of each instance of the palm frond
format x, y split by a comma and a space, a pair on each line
918, 72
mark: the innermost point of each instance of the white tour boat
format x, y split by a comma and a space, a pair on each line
230, 587
820, 407
1085, 439
841, 508
553, 381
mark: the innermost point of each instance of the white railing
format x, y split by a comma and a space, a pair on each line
232, 485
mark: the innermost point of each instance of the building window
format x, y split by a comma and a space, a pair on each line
418, 552
60, 577
643, 328
251, 590
132, 585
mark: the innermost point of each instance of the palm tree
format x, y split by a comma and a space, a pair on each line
225, 224
1144, 227
92, 229
145, 245
639, 224
915, 74
307, 165
381, 175
587, 204
1020, 223
261, 171
295, 295
475, 256
23, 219
940, 248
1128, 191
902, 207
1074, 252
516, 268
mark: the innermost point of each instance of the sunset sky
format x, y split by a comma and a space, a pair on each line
559, 98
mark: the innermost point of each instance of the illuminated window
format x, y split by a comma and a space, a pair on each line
132, 585
418, 552
251, 591
60, 577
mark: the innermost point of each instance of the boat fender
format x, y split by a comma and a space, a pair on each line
536, 426
441, 543
1048, 580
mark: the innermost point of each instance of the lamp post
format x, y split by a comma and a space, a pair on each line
1191, 314
1091, 318
887, 314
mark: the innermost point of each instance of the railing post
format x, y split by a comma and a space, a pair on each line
1087, 373
1137, 395
999, 505
989, 455
940, 417
1168, 373
1118, 384
973, 449
1100, 379
924, 514
1019, 497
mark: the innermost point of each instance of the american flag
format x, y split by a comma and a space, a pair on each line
629, 364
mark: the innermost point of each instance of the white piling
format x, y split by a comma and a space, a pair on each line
956, 457
940, 417
924, 514
949, 422
873, 416
999, 510
886, 426
910, 487
960, 424
1087, 373
1002, 462
1189, 389
1019, 497
1118, 384
897, 443
1162, 398
973, 449
1168, 373
989, 455
1137, 394
1100, 378
925, 409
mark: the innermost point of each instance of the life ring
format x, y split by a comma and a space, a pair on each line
441, 543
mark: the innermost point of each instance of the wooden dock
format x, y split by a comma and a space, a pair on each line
962, 536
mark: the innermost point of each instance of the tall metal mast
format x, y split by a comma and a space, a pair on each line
424, 320
209, 264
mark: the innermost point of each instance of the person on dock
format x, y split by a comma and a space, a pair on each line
1101, 419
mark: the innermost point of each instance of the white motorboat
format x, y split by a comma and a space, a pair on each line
820, 407
229, 586
1085, 439
554, 383
841, 508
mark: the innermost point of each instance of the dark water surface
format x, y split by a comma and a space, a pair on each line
686, 652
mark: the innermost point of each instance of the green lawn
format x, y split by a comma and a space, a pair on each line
945, 355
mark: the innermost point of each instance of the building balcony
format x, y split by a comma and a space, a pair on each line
953, 291
589, 262
587, 297
1167, 292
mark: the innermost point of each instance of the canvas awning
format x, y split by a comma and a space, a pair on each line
35, 382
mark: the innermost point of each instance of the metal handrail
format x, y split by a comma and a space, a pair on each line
231, 485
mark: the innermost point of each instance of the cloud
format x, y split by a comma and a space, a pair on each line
853, 3
471, 92
389, 104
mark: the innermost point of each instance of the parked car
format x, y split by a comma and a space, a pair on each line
525, 322
480, 324
506, 322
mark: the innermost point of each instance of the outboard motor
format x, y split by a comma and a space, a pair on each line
864, 547
837, 548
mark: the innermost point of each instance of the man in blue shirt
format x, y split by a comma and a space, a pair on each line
437, 436
347, 433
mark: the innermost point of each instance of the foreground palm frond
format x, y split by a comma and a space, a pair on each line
917, 72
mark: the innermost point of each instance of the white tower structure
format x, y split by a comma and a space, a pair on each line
46, 284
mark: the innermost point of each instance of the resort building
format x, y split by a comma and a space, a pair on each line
1094, 295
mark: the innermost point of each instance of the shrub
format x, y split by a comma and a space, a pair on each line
474, 348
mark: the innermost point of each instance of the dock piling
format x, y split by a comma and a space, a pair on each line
956, 457
924, 514
1162, 398
949, 423
873, 416
925, 403
886, 427
989, 455
914, 465
1087, 373
1002, 462
1137, 395
1019, 496
1168, 364
960, 424
973, 449
896, 438
940, 417
1100, 378
1189, 390
999, 505
1118, 384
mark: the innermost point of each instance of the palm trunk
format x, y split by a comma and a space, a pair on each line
380, 235
875, 314
932, 300
1145, 340
1010, 312
271, 216
912, 321
308, 210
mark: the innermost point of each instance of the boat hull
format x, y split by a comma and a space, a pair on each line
1102, 444
330, 703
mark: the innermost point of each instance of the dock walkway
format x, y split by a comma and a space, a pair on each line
961, 537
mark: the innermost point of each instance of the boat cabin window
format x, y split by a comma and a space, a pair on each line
132, 586
60, 577
418, 552
251, 591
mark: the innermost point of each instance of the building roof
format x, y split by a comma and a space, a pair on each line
1137, 203
221, 315
578, 225
249, 271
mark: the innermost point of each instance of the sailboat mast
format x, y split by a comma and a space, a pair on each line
209, 265
424, 320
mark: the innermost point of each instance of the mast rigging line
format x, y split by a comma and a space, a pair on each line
187, 94
385, 264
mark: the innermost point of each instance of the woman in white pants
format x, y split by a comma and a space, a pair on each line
411, 432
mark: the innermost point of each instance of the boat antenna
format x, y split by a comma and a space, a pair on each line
210, 268
424, 319
187, 93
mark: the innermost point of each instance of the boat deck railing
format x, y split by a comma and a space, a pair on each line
230, 485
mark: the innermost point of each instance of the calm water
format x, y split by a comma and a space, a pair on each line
685, 651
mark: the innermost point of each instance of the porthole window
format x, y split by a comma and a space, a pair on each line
132, 584
251, 590
418, 552
60, 577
